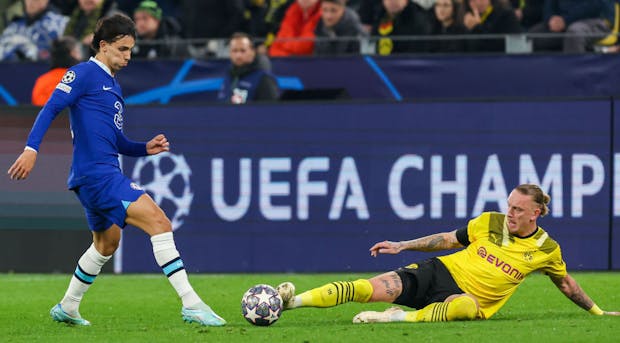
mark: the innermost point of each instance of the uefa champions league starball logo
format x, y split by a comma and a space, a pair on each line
165, 177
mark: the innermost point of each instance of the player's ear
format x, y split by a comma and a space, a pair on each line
103, 46
536, 214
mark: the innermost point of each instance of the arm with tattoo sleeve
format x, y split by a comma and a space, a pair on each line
576, 294
435, 242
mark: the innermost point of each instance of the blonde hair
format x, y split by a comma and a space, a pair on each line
537, 194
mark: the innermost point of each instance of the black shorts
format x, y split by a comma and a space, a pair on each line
425, 283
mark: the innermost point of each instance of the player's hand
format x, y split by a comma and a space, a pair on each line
386, 247
158, 144
23, 165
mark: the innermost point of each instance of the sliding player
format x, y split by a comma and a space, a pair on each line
473, 283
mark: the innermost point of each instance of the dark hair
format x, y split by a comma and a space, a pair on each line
240, 35
537, 194
113, 28
61, 52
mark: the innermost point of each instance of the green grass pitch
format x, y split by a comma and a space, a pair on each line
144, 308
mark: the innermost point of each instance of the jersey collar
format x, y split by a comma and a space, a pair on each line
100, 64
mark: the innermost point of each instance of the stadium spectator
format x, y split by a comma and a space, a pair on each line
448, 20
109, 198
265, 19
29, 37
501, 250
370, 13
84, 17
584, 23
65, 7
8, 11
158, 35
214, 19
296, 34
489, 17
247, 80
169, 7
528, 12
338, 30
65, 52
401, 18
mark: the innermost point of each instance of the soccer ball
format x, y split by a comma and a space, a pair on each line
261, 305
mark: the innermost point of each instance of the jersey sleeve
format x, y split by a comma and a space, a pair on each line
67, 92
556, 266
462, 236
478, 226
128, 147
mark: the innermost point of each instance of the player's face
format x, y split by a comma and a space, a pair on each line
522, 213
118, 53
241, 51
331, 13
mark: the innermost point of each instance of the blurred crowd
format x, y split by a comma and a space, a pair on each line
182, 28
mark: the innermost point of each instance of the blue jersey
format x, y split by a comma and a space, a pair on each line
96, 103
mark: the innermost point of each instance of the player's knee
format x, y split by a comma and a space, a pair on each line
463, 308
106, 248
159, 223
163, 224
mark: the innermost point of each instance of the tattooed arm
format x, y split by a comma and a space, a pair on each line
436, 242
574, 292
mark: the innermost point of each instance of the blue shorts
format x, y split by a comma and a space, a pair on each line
106, 198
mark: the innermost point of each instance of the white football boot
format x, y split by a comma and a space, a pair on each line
287, 292
377, 317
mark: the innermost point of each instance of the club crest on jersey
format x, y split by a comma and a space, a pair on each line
68, 77
118, 116
135, 186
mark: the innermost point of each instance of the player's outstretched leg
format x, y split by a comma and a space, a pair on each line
194, 309
328, 295
460, 308
88, 267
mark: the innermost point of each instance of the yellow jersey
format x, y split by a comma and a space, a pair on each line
495, 262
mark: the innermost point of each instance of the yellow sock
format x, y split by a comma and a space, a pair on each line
461, 308
337, 293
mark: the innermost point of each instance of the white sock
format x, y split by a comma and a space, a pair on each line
89, 266
169, 260
296, 302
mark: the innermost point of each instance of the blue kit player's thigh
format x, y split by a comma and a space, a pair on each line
105, 200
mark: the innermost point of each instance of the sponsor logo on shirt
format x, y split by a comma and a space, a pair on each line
118, 116
500, 264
